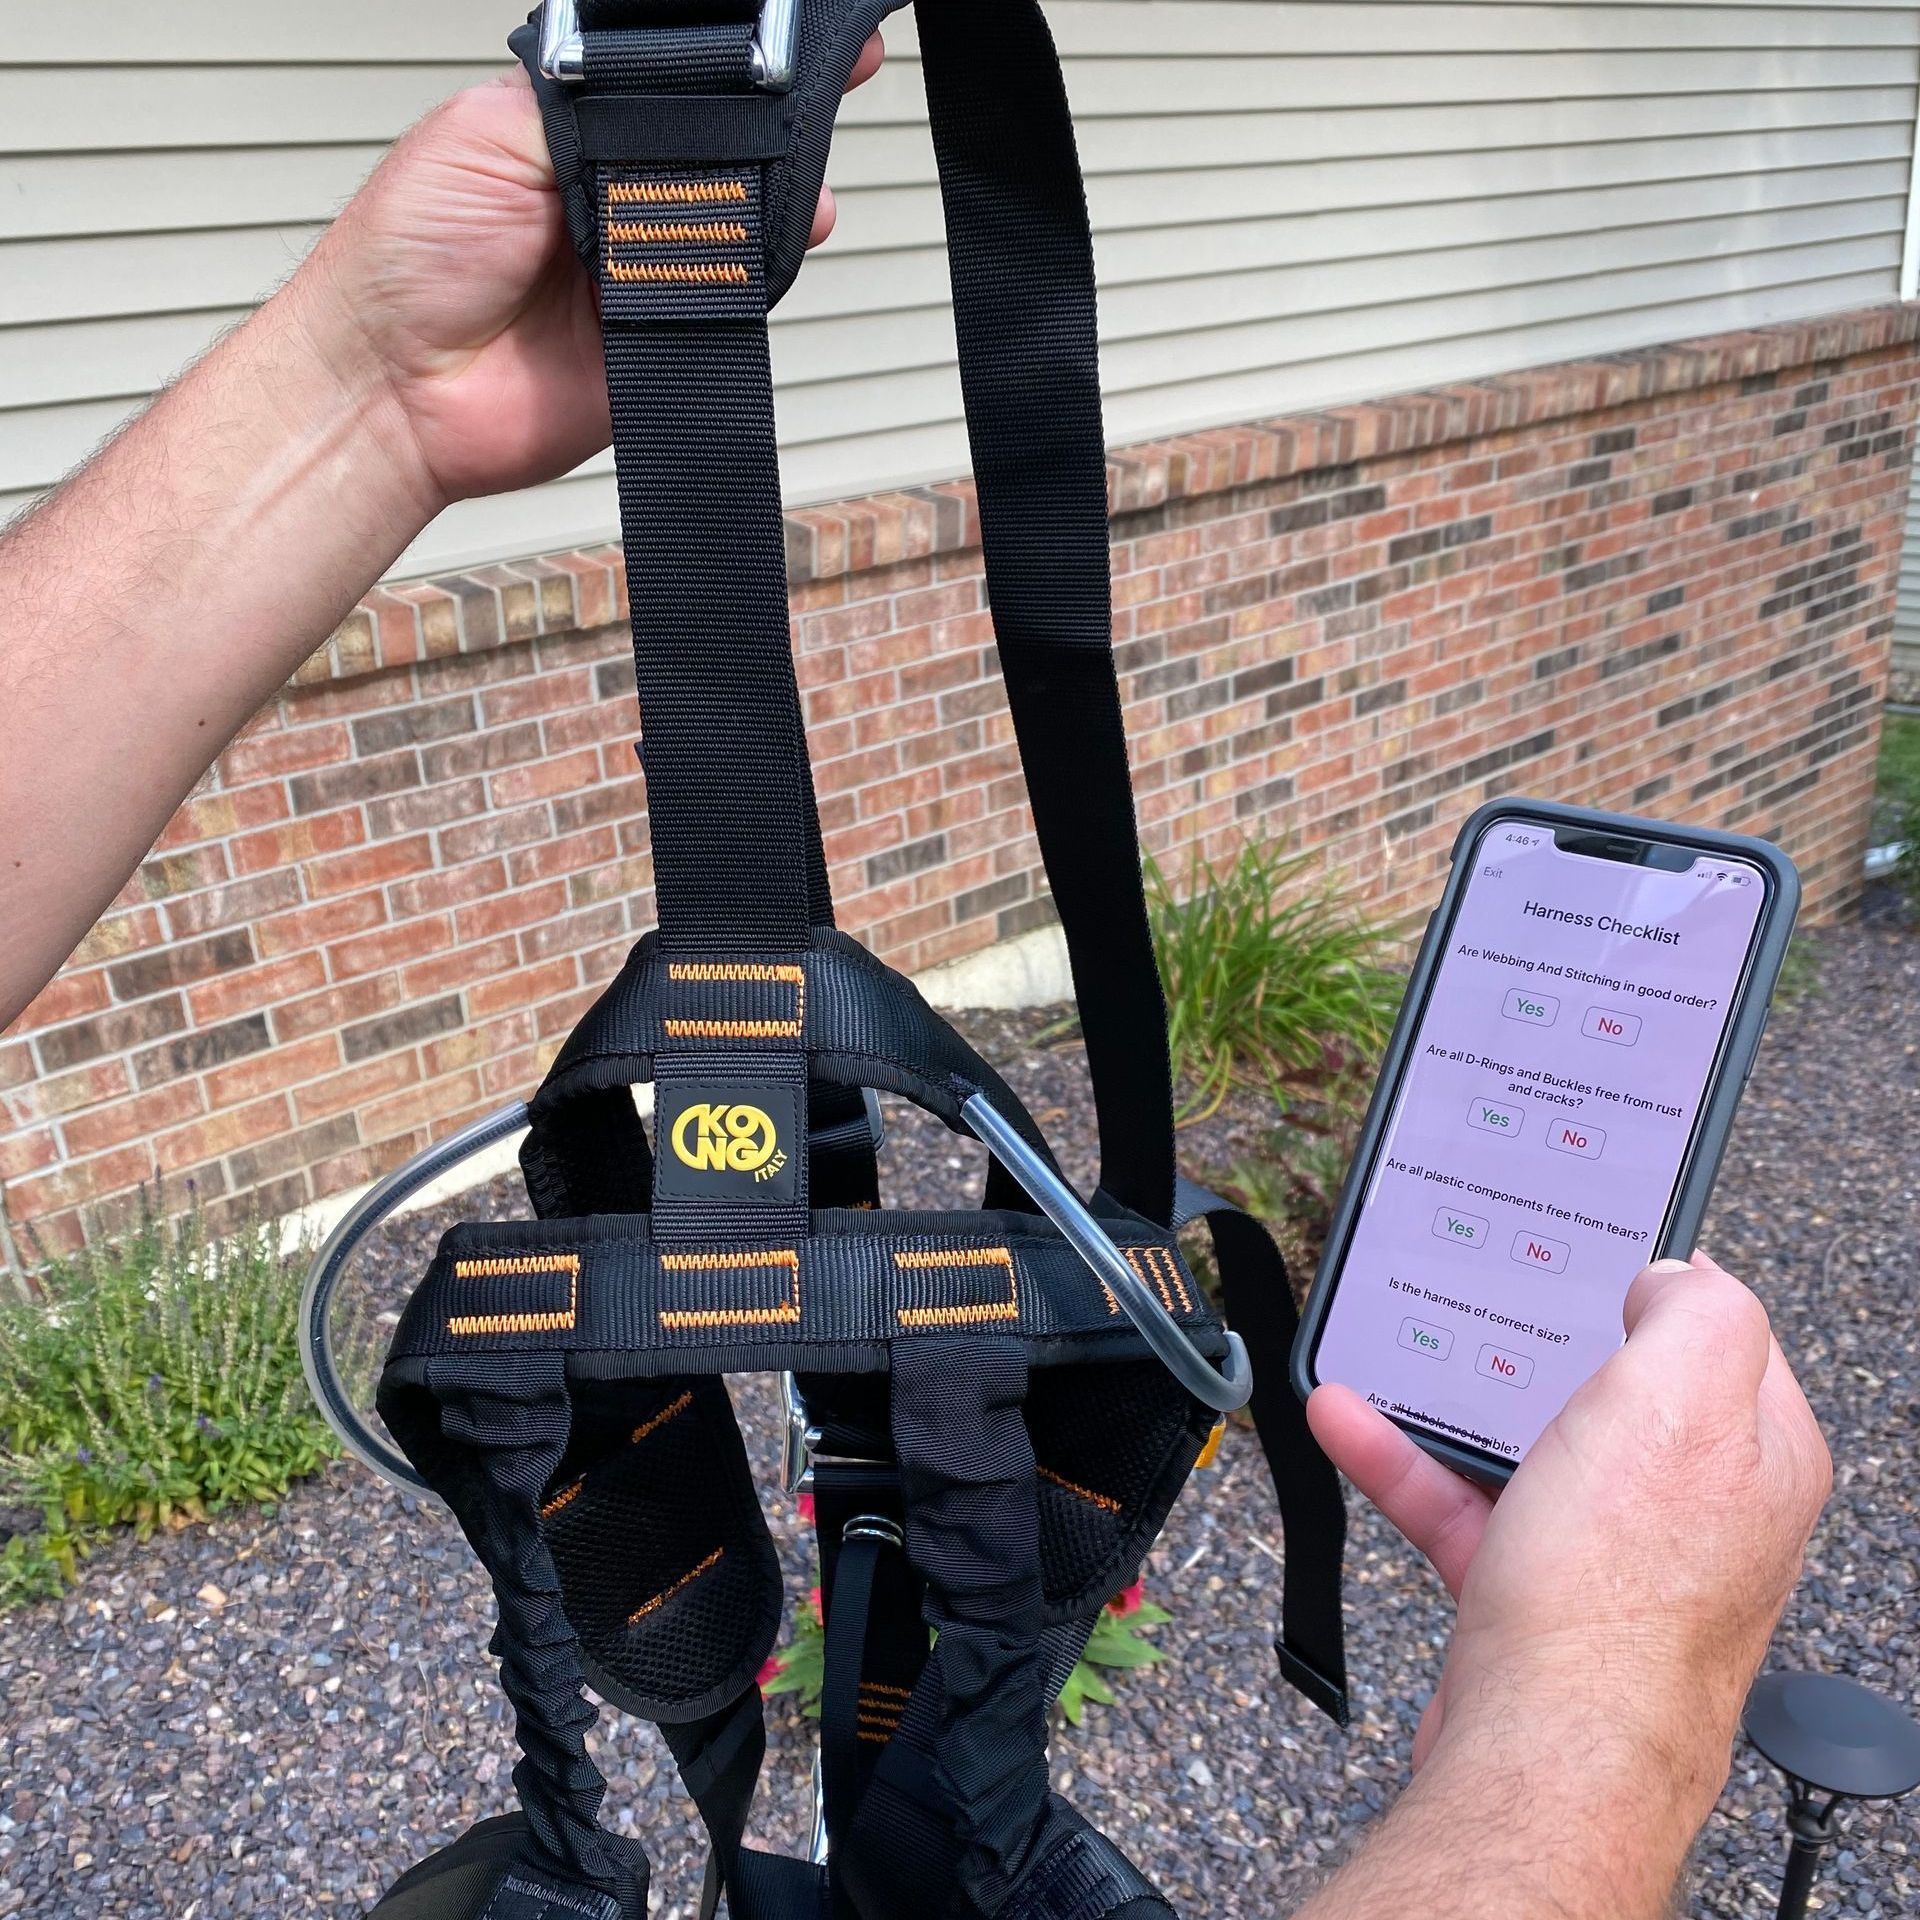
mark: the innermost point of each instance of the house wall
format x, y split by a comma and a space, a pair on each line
1296, 204
1661, 581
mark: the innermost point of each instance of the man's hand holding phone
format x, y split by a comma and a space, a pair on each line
1616, 1600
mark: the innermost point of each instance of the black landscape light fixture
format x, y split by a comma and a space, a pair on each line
1836, 1741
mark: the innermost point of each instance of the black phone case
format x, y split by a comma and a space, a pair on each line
1709, 1146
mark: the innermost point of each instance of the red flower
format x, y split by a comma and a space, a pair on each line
1125, 1602
804, 1505
819, 1611
770, 1671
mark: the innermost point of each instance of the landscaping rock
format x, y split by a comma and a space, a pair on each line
278, 1713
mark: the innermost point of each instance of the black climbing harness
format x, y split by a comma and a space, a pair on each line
996, 1407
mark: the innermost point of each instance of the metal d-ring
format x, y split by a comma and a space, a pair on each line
1225, 1391
563, 53
316, 1332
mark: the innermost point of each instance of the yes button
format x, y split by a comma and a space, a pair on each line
1435, 1342
1491, 1117
1522, 1003
1466, 1229
1510, 1369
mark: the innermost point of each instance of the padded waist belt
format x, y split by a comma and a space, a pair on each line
996, 1437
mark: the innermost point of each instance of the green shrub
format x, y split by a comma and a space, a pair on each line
1270, 981
155, 1380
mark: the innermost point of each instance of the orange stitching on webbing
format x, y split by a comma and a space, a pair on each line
786, 1314
661, 1418
1141, 1260
566, 1498
464, 1325
1007, 1309
880, 1686
877, 1739
795, 977
518, 1263
660, 231
1100, 1500
663, 193
729, 274
686, 1580
1160, 1256
875, 1720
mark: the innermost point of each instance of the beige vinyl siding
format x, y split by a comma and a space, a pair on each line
1296, 204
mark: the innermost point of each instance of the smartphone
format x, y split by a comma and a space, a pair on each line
1557, 1094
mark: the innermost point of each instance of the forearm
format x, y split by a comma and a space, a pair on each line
1582, 1825
169, 588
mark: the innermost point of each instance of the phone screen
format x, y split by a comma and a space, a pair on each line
1570, 1034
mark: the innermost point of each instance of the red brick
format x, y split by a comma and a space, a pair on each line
459, 967
342, 1092
426, 1106
223, 1132
254, 988
389, 946
1293, 568
27, 1152
66, 997
541, 781
100, 1127
511, 910
274, 753
233, 905
270, 1072
373, 866
286, 846
336, 1007
525, 988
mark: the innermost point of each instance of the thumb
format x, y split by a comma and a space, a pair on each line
1651, 1283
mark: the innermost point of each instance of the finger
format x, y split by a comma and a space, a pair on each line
868, 64
1648, 1285
1439, 1512
1694, 1318
824, 216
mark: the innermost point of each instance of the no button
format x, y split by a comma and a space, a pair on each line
1510, 1369
1536, 1250
1568, 1135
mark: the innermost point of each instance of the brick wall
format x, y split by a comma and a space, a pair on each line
1662, 581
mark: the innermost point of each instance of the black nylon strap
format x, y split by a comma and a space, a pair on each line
1024, 313
849, 1608
719, 1761
1313, 1517
971, 1486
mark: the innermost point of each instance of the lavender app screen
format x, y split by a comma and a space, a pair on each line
1526, 1170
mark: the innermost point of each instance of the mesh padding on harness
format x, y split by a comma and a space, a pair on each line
1106, 1442
670, 1577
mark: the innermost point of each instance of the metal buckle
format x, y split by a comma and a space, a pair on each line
799, 1440
563, 48
1224, 1392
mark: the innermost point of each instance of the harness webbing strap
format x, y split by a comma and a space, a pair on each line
1313, 1517
1025, 321
735, 834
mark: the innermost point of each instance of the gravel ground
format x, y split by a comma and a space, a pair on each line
279, 1714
